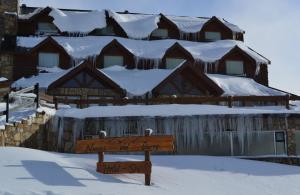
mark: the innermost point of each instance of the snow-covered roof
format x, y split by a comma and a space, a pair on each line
82, 22
231, 26
44, 79
28, 16
241, 86
2, 79
136, 82
81, 47
136, 26
188, 24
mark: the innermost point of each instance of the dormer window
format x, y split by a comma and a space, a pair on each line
106, 31
112, 60
160, 33
172, 63
212, 36
46, 28
234, 67
48, 60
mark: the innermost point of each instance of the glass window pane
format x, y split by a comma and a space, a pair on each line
173, 62
234, 67
162, 33
113, 60
48, 60
45, 27
106, 31
213, 36
257, 143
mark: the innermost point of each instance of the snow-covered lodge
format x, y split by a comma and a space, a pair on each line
101, 57
143, 55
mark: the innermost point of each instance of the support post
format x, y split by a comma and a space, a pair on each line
36, 91
291, 142
102, 135
147, 158
230, 98
7, 107
55, 103
287, 101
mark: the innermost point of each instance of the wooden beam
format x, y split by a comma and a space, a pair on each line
126, 144
142, 167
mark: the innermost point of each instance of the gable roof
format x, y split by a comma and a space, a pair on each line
82, 47
185, 52
49, 40
212, 87
116, 43
86, 66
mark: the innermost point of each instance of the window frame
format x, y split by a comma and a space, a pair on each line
156, 33
173, 66
235, 73
111, 64
207, 33
48, 54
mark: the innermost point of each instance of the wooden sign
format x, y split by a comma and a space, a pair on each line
145, 143
124, 167
126, 144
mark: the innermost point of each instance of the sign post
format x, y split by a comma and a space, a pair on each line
147, 144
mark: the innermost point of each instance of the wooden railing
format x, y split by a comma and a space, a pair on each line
226, 100
34, 89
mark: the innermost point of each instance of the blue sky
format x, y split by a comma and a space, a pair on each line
272, 26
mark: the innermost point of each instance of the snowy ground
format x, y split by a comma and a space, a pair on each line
27, 171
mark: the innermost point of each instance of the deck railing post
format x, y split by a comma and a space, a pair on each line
102, 135
287, 101
36, 91
230, 98
148, 133
6, 97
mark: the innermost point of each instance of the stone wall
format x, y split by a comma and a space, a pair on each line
30, 132
6, 65
8, 31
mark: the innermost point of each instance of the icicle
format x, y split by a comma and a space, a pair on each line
257, 70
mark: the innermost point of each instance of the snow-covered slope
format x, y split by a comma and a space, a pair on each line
27, 171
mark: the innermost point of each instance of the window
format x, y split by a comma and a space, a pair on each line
44, 27
161, 33
103, 31
48, 60
173, 62
234, 67
113, 60
212, 36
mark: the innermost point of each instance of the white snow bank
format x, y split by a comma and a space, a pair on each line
242, 86
82, 22
29, 42
80, 47
136, 82
166, 110
136, 26
28, 171
188, 24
